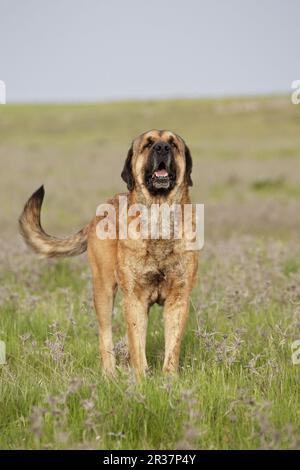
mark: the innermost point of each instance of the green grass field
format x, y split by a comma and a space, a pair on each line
237, 387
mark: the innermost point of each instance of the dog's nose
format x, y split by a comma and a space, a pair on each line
162, 148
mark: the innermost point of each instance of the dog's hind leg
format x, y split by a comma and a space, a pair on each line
104, 295
102, 257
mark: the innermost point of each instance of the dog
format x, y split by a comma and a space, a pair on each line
157, 170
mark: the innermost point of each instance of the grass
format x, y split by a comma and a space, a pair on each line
237, 387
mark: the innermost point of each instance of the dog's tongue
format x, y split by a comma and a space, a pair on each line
160, 173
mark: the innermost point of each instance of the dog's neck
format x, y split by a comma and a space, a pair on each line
178, 195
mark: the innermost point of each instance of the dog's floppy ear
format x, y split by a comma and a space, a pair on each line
127, 174
188, 166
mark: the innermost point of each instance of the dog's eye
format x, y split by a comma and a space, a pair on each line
174, 145
148, 144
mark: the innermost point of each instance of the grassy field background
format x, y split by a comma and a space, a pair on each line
237, 386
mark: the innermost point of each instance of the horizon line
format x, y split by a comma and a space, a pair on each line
224, 97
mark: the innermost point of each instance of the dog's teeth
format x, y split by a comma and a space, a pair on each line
161, 173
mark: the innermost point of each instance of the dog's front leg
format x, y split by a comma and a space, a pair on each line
175, 316
136, 315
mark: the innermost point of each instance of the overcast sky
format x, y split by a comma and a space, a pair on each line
86, 50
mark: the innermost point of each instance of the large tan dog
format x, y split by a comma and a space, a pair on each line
157, 170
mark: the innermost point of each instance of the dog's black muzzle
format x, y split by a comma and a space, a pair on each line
160, 174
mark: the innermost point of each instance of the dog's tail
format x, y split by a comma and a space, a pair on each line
42, 243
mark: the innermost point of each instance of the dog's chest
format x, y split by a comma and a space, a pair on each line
152, 267
159, 266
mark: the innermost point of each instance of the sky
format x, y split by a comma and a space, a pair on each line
96, 50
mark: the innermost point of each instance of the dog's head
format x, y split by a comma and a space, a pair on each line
158, 161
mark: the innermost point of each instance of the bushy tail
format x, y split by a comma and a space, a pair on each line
42, 243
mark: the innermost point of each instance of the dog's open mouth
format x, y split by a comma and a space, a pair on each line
161, 177
161, 173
